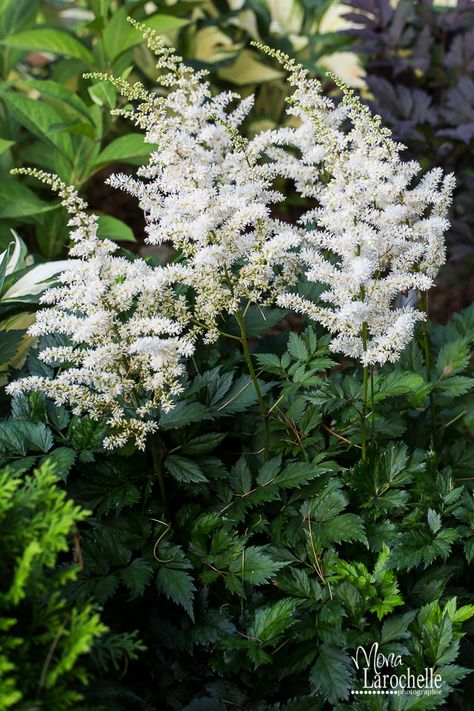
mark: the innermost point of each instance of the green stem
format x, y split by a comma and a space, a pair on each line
253, 375
363, 415
156, 453
424, 305
372, 404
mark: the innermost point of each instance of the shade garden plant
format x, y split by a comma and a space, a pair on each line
255, 457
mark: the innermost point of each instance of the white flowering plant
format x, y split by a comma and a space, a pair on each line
270, 433
369, 235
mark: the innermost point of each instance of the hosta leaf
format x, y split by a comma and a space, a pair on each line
114, 229
16, 200
16, 14
119, 36
9, 344
128, 149
49, 40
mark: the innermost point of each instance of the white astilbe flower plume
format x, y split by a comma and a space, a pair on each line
373, 233
121, 356
369, 235
206, 191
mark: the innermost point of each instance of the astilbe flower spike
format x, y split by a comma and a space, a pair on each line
207, 191
121, 356
370, 235
373, 233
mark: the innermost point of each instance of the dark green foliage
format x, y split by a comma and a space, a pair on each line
43, 638
256, 580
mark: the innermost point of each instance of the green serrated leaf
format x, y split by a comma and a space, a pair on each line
178, 586
183, 469
182, 414
204, 443
332, 674
136, 576
296, 348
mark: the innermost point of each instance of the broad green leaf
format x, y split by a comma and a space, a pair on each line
129, 148
16, 14
18, 201
165, 23
5, 145
39, 118
66, 102
103, 94
119, 35
9, 344
249, 69
48, 40
114, 229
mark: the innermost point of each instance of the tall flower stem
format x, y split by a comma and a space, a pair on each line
156, 453
253, 375
363, 415
424, 306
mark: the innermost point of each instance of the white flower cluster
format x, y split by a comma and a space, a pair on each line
368, 236
371, 235
122, 357
207, 192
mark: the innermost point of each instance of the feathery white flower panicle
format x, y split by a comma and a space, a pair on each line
208, 192
122, 356
373, 234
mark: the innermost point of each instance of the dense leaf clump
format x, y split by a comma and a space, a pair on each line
256, 580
